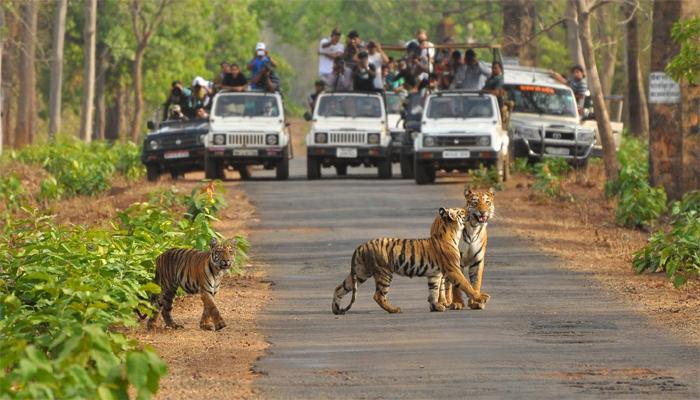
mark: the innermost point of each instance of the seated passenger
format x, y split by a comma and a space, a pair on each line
202, 92
319, 87
269, 109
234, 79
176, 114
201, 113
364, 74
178, 96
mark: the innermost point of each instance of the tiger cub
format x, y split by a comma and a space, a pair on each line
196, 272
480, 208
434, 258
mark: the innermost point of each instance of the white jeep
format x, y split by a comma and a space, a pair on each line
459, 131
348, 129
247, 128
545, 121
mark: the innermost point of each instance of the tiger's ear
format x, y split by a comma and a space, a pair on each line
231, 242
442, 212
213, 242
492, 191
446, 214
467, 191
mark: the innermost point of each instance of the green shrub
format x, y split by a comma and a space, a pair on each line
677, 252
638, 203
484, 178
65, 291
11, 191
549, 176
49, 189
521, 164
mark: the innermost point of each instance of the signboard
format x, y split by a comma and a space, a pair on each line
663, 89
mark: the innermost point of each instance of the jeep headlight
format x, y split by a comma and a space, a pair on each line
220, 139
321, 137
483, 141
271, 139
428, 141
153, 144
586, 136
529, 133
373, 138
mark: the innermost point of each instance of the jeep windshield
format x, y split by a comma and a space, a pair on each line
393, 103
443, 107
535, 99
242, 105
349, 106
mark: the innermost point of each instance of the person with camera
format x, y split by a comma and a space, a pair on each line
353, 47
378, 58
364, 73
261, 61
341, 78
329, 50
180, 96
471, 74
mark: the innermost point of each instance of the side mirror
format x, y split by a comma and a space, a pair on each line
307, 116
151, 125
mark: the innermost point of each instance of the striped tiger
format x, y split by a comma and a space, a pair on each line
434, 258
472, 247
196, 272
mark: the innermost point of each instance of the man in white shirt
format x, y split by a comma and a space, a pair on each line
377, 57
425, 47
329, 49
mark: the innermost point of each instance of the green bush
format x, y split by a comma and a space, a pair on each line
484, 178
11, 191
638, 203
677, 252
549, 176
66, 290
83, 168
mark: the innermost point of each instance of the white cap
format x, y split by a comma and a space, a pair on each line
260, 46
200, 81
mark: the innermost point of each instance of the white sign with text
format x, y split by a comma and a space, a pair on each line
663, 89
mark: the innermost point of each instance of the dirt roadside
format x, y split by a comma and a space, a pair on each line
583, 234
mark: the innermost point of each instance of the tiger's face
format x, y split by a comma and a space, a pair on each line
222, 252
454, 217
479, 205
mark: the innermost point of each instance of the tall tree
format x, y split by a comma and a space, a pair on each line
636, 99
573, 43
3, 27
26, 103
584, 8
146, 17
606, 37
88, 107
59, 33
519, 30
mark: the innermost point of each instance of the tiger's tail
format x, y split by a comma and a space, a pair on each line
349, 284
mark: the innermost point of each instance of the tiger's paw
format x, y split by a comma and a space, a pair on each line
395, 310
437, 307
456, 306
480, 298
477, 305
206, 326
220, 325
174, 326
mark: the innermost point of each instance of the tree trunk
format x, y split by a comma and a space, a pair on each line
601, 111
3, 27
100, 90
518, 30
59, 33
573, 43
113, 120
636, 99
137, 75
26, 110
608, 34
88, 71
674, 142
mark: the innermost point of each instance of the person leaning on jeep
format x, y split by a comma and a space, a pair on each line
577, 82
494, 86
179, 95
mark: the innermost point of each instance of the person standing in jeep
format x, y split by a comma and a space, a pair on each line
330, 49
577, 83
364, 74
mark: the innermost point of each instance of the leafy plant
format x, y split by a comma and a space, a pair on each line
49, 189
11, 191
549, 176
521, 165
484, 178
677, 251
687, 63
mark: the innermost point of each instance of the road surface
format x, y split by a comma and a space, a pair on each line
546, 333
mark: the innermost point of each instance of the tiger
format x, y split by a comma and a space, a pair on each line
480, 208
196, 272
434, 258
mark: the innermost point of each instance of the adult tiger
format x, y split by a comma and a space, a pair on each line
480, 208
433, 258
196, 272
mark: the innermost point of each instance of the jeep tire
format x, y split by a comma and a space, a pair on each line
152, 172
341, 169
384, 168
313, 168
282, 170
406, 164
213, 168
424, 172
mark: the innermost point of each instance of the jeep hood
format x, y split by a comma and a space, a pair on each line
348, 124
536, 120
257, 124
458, 126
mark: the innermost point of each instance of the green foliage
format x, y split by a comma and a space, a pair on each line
522, 165
549, 177
484, 178
687, 63
64, 290
81, 168
50, 189
638, 203
11, 191
677, 251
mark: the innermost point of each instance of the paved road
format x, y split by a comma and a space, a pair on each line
547, 332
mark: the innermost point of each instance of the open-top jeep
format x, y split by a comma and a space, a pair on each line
348, 129
174, 146
460, 130
247, 128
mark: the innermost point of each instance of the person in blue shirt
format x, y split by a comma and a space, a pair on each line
257, 65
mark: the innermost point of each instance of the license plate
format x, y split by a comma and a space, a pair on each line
560, 151
169, 155
343, 152
245, 152
455, 154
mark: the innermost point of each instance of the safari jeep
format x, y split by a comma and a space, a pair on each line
176, 147
460, 130
247, 128
394, 107
545, 120
348, 129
